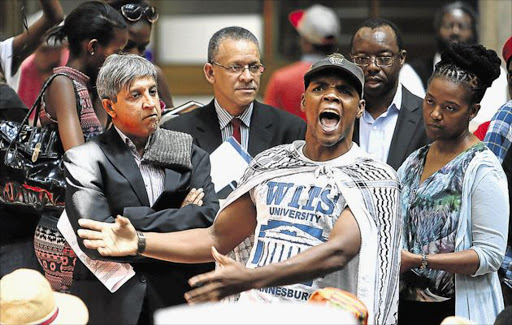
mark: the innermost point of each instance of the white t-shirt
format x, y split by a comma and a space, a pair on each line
295, 214
6, 62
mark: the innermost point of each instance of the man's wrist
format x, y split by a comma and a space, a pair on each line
141, 243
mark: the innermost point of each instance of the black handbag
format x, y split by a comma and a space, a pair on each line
31, 168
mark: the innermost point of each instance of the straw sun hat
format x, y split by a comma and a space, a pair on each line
26, 297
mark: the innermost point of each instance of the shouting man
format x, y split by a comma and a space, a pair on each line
307, 215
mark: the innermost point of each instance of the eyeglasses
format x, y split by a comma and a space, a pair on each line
380, 61
134, 12
254, 69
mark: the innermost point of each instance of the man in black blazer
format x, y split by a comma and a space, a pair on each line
391, 127
234, 70
157, 178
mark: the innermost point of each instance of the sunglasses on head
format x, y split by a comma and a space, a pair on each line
134, 12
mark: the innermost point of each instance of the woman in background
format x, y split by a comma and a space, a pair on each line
140, 16
454, 201
93, 30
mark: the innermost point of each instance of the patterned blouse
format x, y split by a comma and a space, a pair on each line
430, 221
91, 126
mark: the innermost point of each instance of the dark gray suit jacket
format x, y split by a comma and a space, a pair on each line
270, 127
103, 180
409, 133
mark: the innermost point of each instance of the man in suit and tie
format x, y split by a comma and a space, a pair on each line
391, 127
156, 178
234, 70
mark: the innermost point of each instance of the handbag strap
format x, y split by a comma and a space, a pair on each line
47, 83
36, 106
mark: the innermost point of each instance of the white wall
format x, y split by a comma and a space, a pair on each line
184, 39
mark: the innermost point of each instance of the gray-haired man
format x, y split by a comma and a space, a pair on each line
146, 174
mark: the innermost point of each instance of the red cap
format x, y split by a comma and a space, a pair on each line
317, 24
507, 50
295, 17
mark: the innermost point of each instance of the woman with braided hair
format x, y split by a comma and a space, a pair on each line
454, 201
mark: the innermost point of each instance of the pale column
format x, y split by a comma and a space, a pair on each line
495, 23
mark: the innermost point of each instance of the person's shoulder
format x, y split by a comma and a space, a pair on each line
372, 169
273, 158
485, 164
183, 121
199, 153
86, 150
483, 153
409, 97
279, 150
504, 112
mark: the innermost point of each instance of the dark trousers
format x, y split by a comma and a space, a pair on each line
17, 254
424, 313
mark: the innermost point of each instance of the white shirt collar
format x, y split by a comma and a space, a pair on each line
396, 104
397, 100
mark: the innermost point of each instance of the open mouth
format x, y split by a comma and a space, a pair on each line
329, 120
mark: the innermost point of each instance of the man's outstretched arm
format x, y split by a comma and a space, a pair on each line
232, 278
235, 223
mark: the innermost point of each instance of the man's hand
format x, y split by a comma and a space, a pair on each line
109, 239
229, 279
195, 196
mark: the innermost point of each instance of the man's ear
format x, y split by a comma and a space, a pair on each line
208, 73
303, 102
360, 108
402, 56
91, 46
107, 105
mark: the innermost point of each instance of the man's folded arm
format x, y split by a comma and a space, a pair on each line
189, 217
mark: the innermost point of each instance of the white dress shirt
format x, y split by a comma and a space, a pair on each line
375, 134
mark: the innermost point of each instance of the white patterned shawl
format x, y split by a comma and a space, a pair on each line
372, 191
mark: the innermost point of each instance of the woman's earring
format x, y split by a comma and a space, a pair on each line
92, 53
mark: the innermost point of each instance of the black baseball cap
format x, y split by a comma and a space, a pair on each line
338, 62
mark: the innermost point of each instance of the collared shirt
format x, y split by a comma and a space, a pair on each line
226, 129
499, 135
375, 135
153, 176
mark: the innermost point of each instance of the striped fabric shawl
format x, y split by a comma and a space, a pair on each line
372, 192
